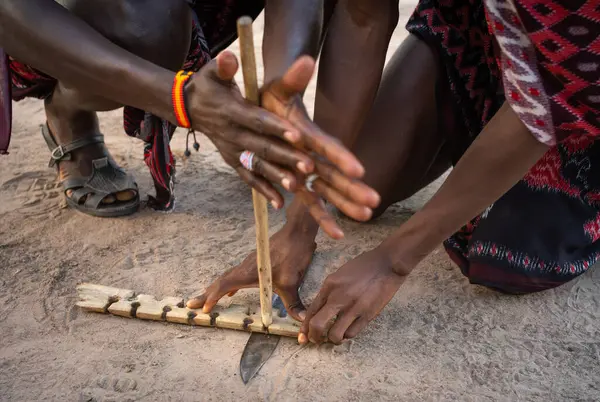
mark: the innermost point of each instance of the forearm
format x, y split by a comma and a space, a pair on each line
48, 37
352, 62
493, 164
292, 29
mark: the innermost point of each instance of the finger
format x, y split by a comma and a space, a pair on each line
349, 208
316, 208
298, 76
211, 302
352, 189
314, 139
321, 322
231, 294
208, 300
197, 302
358, 325
340, 326
273, 173
262, 121
262, 186
293, 304
275, 151
314, 307
227, 65
283, 98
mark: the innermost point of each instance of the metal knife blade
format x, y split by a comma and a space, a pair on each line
260, 347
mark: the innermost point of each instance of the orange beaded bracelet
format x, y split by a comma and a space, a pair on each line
178, 97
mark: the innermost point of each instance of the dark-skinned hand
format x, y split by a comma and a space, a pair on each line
350, 298
336, 183
288, 271
288, 146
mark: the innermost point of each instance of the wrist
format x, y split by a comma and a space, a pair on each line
190, 96
408, 246
299, 220
398, 261
157, 100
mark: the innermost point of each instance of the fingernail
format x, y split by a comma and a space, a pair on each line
302, 315
291, 136
302, 338
302, 167
360, 170
338, 234
376, 199
275, 204
205, 310
286, 183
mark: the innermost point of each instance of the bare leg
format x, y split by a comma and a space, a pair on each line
156, 30
402, 143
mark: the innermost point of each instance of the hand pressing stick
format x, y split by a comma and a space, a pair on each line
261, 214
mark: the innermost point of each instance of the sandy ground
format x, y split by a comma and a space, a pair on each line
439, 339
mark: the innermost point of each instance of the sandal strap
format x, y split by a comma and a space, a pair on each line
106, 178
63, 152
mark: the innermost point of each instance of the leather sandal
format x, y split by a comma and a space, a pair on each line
106, 179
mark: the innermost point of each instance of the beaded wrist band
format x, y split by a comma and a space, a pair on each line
178, 98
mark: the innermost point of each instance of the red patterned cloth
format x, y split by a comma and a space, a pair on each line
550, 62
543, 57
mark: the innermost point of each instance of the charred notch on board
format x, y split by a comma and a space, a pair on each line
247, 322
166, 309
111, 300
213, 319
191, 315
134, 307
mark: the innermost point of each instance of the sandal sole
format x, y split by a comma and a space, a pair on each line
107, 212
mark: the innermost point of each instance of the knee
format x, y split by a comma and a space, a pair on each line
365, 12
517, 282
156, 30
520, 289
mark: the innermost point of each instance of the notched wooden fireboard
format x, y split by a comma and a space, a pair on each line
126, 303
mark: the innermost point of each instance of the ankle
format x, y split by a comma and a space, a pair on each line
68, 123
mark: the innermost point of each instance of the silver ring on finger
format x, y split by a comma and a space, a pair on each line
247, 160
310, 180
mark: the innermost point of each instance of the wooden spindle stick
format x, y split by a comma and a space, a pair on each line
261, 213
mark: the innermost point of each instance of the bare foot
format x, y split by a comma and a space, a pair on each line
291, 254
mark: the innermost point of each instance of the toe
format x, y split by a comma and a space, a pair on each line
109, 199
125, 195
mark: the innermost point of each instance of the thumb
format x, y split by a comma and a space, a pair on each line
298, 76
293, 304
227, 65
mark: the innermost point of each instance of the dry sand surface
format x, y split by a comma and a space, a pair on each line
439, 339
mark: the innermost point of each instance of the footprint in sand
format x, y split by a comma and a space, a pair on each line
107, 388
34, 193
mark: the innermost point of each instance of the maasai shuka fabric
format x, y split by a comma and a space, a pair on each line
543, 58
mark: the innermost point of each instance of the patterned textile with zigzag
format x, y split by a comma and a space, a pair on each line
543, 57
